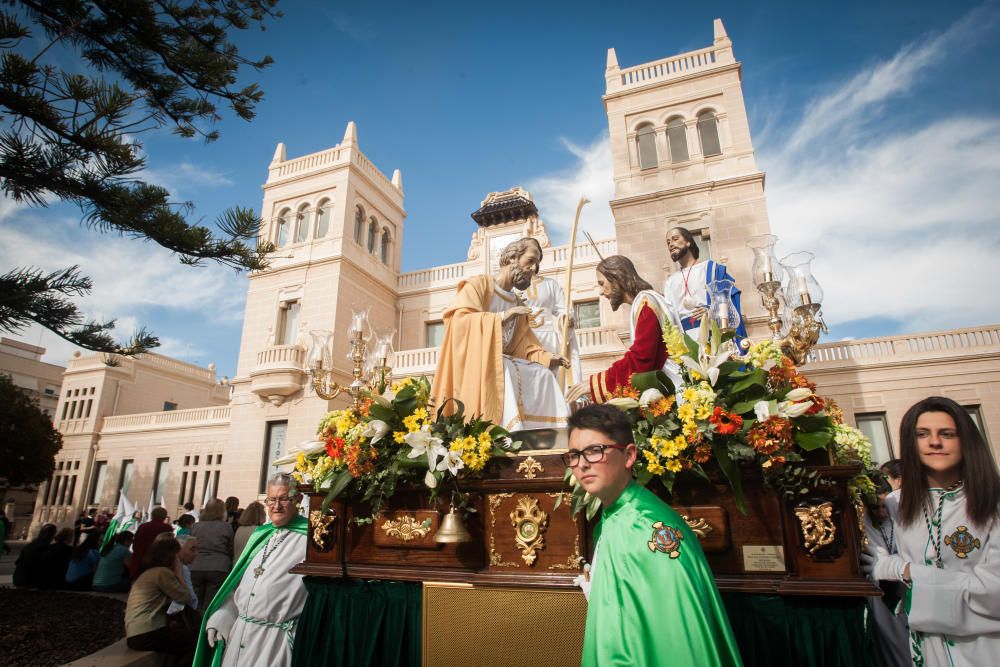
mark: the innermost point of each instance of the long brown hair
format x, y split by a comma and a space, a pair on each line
621, 271
978, 467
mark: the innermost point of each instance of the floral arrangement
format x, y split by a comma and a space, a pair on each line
394, 440
741, 411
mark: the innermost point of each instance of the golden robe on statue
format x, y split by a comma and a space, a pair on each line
483, 362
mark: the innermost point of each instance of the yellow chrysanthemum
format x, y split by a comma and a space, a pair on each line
674, 466
414, 421
686, 412
399, 437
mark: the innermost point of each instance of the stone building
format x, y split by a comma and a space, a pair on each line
682, 155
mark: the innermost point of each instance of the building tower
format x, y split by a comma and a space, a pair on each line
337, 222
682, 156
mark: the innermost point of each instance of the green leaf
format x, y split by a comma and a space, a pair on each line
642, 476
731, 471
811, 423
653, 380
758, 378
339, 483
811, 441
388, 415
744, 407
592, 507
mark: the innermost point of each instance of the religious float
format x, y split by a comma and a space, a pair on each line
445, 540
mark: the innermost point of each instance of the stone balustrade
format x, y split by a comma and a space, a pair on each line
280, 357
447, 275
299, 165
893, 349
148, 421
672, 68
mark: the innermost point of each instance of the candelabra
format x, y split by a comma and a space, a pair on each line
794, 315
369, 373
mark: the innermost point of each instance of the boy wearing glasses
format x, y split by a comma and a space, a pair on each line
651, 596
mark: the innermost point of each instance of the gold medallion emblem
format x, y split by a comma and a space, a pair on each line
962, 542
666, 540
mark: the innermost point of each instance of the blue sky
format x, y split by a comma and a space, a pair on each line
876, 123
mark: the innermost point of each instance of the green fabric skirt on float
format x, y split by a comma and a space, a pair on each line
800, 631
359, 623
356, 623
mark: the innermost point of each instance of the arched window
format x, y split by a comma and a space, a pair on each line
322, 218
677, 140
281, 238
359, 223
708, 132
386, 240
301, 225
372, 233
646, 140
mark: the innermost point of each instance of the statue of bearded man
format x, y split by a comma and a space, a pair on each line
490, 360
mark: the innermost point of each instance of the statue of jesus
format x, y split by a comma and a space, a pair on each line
490, 359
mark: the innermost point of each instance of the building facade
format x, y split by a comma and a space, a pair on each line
682, 156
23, 364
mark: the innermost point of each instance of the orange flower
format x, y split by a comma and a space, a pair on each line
726, 423
702, 453
335, 447
771, 436
659, 407
360, 460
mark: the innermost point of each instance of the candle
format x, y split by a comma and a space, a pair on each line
768, 269
800, 282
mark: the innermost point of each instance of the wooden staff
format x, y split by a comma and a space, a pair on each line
563, 372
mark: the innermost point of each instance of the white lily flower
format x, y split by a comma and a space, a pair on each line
308, 448
651, 395
798, 394
376, 429
762, 409
792, 410
452, 462
624, 403
430, 481
711, 371
422, 442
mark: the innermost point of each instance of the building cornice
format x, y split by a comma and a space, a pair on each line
707, 186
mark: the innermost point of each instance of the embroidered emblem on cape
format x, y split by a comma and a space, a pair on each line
666, 540
962, 542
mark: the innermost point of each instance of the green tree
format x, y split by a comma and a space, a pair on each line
28, 440
71, 136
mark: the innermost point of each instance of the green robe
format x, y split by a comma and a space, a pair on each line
205, 654
653, 600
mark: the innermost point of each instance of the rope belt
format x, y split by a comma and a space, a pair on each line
288, 627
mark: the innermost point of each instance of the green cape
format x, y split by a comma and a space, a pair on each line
653, 599
205, 654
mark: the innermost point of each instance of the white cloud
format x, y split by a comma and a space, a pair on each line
133, 280
904, 225
183, 177
557, 195
851, 106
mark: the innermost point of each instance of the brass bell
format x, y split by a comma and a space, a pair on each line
452, 529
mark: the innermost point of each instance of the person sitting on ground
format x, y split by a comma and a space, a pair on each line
83, 564
215, 550
27, 570
162, 580
253, 516
184, 525
112, 570
144, 537
55, 561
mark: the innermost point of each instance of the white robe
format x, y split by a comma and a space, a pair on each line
891, 631
531, 395
686, 289
956, 609
258, 619
545, 293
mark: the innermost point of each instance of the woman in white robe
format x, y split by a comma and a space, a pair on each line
949, 557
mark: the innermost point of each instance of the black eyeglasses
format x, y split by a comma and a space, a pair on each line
593, 454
